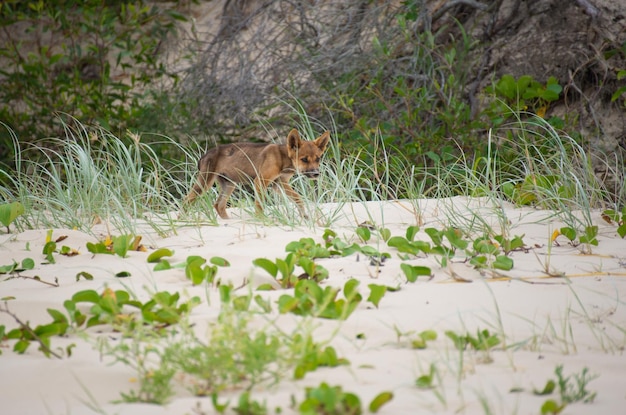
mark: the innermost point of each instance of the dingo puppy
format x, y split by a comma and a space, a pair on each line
260, 163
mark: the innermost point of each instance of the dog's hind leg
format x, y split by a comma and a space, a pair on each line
226, 189
204, 182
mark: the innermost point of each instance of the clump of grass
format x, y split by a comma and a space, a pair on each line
527, 162
91, 176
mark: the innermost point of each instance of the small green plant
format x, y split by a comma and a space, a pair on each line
301, 253
307, 247
420, 340
157, 257
415, 340
310, 299
329, 400
119, 245
162, 310
233, 354
141, 352
587, 237
332, 400
427, 381
309, 355
618, 217
412, 272
15, 268
198, 271
509, 245
483, 341
9, 212
455, 238
522, 94
110, 307
487, 254
571, 389
25, 334
338, 246
247, 406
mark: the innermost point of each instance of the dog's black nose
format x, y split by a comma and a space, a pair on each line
312, 174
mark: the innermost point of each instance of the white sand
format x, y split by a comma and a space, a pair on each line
547, 321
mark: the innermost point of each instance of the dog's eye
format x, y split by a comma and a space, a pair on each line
305, 159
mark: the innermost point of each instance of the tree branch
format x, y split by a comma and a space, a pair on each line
453, 3
589, 8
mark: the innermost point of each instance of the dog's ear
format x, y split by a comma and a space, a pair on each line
293, 140
322, 141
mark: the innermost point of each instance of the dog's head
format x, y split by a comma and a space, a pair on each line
306, 155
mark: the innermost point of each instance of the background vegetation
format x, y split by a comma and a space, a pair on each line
417, 78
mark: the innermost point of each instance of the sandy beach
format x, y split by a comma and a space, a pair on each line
562, 303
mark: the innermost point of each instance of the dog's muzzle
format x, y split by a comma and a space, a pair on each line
311, 174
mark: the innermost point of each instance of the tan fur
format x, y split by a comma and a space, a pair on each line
260, 163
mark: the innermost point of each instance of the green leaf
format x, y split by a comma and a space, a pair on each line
412, 272
455, 236
568, 232
428, 335
377, 292
57, 316
221, 262
162, 265
225, 291
157, 255
21, 346
590, 236
48, 249
86, 296
460, 342
84, 275
503, 262
350, 288
411, 231
28, 263
435, 235
364, 233
385, 234
380, 399
121, 245
618, 93
287, 303
7, 269
265, 287
267, 265
98, 248
547, 389
424, 382
9, 212
550, 407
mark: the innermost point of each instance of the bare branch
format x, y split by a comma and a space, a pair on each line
589, 8
453, 3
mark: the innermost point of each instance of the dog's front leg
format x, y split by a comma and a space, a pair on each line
293, 195
260, 189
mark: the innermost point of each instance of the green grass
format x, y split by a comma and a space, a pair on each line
92, 176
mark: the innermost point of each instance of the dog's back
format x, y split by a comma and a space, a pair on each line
243, 162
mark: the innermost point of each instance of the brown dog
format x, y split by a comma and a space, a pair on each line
260, 163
